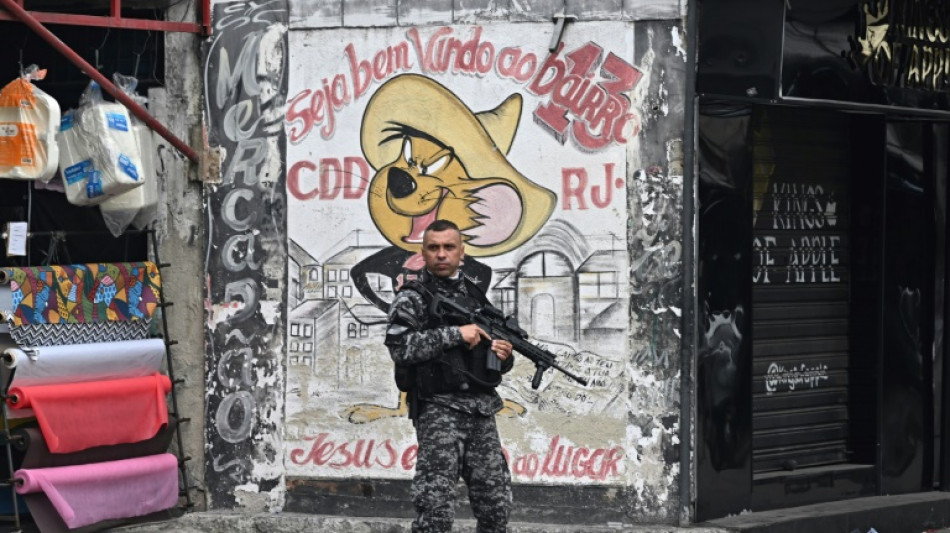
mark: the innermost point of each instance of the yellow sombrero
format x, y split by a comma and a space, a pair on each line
481, 140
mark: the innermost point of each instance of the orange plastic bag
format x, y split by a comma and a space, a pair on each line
17, 139
29, 119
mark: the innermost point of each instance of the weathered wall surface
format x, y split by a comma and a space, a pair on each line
656, 275
564, 169
245, 83
182, 245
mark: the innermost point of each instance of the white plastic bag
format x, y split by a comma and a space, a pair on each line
138, 206
99, 155
83, 182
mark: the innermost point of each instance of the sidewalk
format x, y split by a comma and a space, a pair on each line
910, 513
234, 522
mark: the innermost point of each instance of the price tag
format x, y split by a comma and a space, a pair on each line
16, 238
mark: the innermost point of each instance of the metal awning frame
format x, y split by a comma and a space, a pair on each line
13, 10
116, 20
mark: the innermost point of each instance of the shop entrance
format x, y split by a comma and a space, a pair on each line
801, 289
822, 239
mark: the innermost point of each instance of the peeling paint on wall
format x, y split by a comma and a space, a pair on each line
655, 235
245, 82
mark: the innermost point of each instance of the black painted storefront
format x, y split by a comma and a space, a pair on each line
822, 138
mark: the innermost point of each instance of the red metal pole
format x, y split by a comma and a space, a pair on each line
89, 70
108, 22
206, 16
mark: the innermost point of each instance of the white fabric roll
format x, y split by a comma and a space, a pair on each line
74, 363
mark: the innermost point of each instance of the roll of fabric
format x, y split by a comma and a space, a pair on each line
5, 342
73, 363
72, 294
77, 416
47, 519
74, 304
61, 334
30, 449
87, 494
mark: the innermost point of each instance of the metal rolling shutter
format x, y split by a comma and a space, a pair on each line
800, 314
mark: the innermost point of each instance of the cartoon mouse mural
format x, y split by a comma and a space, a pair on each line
436, 159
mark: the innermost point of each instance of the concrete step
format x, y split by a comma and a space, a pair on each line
233, 522
927, 512
906, 513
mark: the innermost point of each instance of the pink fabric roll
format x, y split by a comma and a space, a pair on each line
86, 494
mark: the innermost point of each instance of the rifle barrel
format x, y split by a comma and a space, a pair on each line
542, 358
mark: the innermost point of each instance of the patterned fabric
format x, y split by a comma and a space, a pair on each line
62, 334
81, 294
452, 443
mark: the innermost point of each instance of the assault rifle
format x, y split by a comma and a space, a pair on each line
498, 326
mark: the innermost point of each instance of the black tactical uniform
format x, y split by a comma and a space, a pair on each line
455, 428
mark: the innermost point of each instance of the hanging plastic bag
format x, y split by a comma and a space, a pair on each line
99, 157
29, 119
138, 206
83, 182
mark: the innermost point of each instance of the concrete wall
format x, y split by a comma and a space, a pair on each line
182, 245
573, 225
246, 267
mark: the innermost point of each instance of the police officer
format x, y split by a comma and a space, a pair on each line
452, 399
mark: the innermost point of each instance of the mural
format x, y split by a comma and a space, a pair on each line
524, 149
434, 159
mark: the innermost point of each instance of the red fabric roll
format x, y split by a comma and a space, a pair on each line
76, 416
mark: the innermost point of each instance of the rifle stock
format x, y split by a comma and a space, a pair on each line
498, 326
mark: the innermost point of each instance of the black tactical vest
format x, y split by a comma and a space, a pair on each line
458, 369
